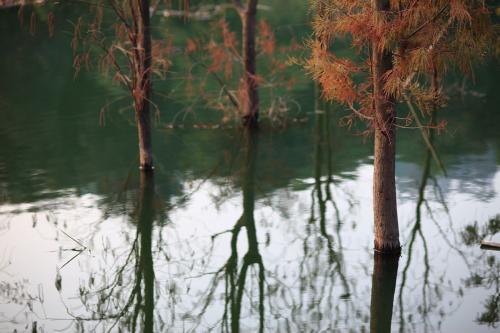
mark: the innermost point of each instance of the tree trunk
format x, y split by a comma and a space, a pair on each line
385, 273
250, 99
143, 87
384, 177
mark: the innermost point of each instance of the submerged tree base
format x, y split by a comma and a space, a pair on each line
147, 168
387, 248
250, 121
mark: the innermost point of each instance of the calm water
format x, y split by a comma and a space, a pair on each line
270, 232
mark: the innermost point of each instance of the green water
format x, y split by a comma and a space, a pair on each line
271, 232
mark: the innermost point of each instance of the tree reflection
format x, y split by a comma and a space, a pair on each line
235, 281
415, 231
324, 290
233, 272
323, 194
145, 268
487, 269
129, 299
385, 273
431, 292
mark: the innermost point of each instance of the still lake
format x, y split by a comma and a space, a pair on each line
234, 233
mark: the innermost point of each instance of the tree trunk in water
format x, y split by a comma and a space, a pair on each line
143, 87
384, 176
250, 99
385, 272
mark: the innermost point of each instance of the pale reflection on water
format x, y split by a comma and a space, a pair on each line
315, 278
81, 235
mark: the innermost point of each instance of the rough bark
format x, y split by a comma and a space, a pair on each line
385, 272
250, 102
384, 177
143, 88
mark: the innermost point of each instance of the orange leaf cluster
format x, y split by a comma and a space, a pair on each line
222, 54
424, 38
333, 74
266, 40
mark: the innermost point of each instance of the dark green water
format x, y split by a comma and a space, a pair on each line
234, 233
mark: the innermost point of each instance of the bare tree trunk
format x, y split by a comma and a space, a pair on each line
250, 102
385, 273
142, 92
384, 176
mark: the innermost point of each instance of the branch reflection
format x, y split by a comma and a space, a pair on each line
235, 281
128, 301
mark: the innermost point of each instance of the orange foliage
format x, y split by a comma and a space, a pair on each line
424, 37
190, 46
221, 55
266, 40
333, 74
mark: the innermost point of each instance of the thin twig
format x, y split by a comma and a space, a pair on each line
424, 135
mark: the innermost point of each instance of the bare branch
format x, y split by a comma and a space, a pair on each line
358, 113
424, 135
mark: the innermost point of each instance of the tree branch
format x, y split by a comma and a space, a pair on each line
424, 135
358, 113
423, 25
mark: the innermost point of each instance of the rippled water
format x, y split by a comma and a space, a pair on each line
269, 232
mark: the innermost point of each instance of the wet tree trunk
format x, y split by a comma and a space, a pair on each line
385, 272
250, 100
142, 93
384, 177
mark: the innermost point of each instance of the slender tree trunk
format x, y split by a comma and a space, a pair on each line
250, 101
143, 89
384, 176
385, 273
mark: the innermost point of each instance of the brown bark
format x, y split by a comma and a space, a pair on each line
385, 272
384, 177
143, 88
250, 102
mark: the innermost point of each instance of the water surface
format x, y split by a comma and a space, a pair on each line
234, 232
